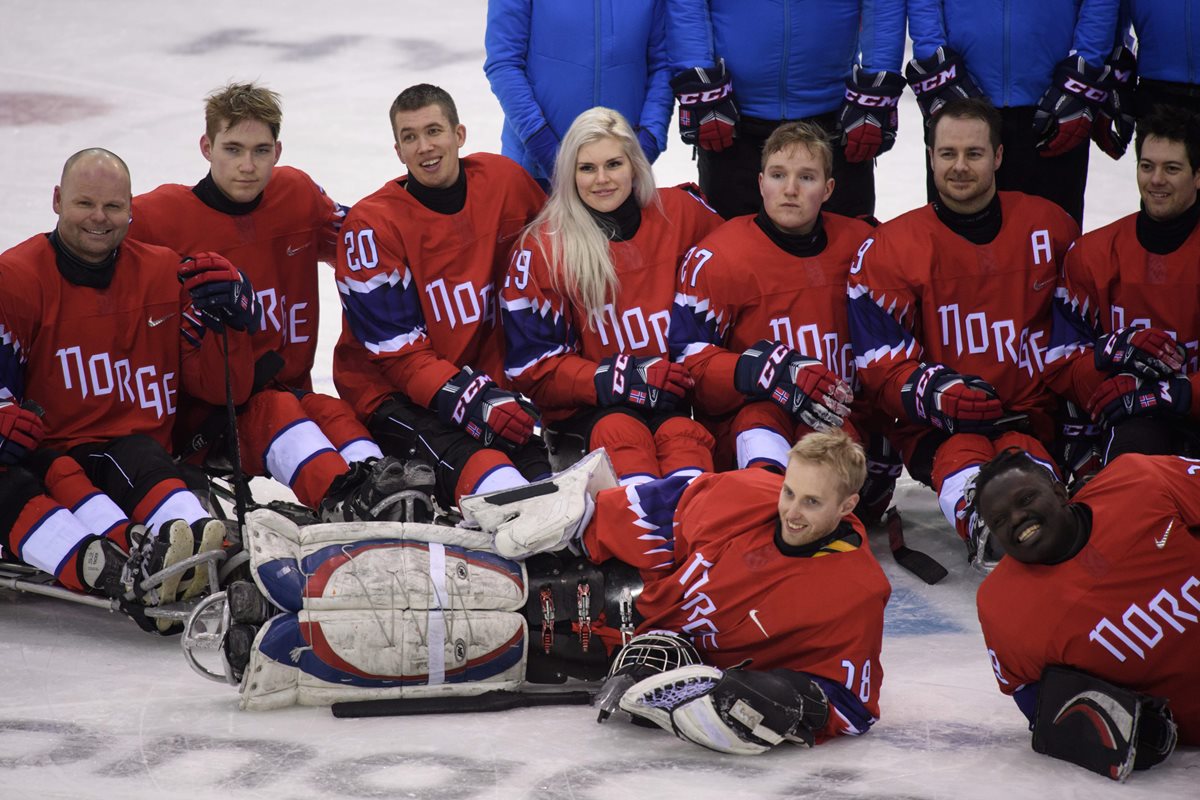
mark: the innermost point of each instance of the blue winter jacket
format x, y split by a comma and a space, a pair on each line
549, 60
1168, 33
789, 59
1011, 46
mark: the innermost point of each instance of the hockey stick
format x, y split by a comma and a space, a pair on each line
235, 449
920, 564
496, 700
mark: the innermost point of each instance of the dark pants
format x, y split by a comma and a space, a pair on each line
1061, 179
729, 179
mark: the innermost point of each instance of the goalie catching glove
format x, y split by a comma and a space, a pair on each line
220, 293
707, 113
473, 402
1147, 351
804, 387
650, 384
735, 711
870, 114
938, 396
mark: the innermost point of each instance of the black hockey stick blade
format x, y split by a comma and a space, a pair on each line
920, 564
496, 700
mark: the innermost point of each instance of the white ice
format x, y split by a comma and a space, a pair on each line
90, 707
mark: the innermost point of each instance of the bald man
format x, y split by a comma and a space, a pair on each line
97, 337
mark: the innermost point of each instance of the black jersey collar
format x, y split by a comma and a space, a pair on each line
79, 272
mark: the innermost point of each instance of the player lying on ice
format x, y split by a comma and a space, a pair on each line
749, 565
1091, 623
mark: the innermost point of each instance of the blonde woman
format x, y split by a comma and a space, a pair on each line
588, 297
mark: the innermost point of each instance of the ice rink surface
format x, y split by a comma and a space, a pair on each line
90, 707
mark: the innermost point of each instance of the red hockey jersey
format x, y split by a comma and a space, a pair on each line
1126, 608
552, 350
106, 363
418, 288
277, 245
921, 293
1110, 282
738, 596
737, 287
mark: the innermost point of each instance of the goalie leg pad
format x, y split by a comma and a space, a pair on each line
1098, 726
324, 657
379, 565
544, 515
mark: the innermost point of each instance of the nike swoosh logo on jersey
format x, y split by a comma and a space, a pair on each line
1039, 285
154, 322
293, 250
754, 619
1161, 543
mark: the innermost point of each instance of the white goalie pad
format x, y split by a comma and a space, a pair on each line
544, 515
322, 657
381, 566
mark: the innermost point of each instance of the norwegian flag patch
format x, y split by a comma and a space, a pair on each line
637, 396
780, 395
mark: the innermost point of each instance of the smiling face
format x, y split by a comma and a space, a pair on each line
1167, 182
241, 159
964, 163
428, 145
603, 174
811, 502
1027, 511
93, 205
793, 185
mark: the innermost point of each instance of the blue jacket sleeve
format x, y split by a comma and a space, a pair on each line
689, 35
926, 26
506, 42
882, 37
1096, 30
660, 100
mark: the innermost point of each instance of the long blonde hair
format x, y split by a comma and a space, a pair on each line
579, 258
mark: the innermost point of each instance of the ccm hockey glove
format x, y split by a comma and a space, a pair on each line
1150, 352
804, 387
707, 113
1112, 130
937, 396
869, 116
651, 384
473, 402
21, 431
938, 79
220, 292
1064, 115
1124, 396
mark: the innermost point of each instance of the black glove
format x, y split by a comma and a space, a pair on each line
1113, 127
707, 113
1150, 352
652, 384
472, 401
942, 398
804, 387
938, 79
869, 116
221, 294
1124, 396
1064, 115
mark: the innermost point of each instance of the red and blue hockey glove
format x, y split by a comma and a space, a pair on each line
649, 384
1112, 130
938, 79
804, 387
1149, 352
21, 431
1063, 119
473, 402
707, 113
1124, 396
220, 292
870, 116
938, 396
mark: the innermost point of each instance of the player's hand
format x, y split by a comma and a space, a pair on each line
869, 116
1063, 119
1112, 130
543, 149
938, 396
21, 431
1149, 352
1124, 396
473, 402
649, 144
938, 79
804, 387
707, 112
220, 292
649, 384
